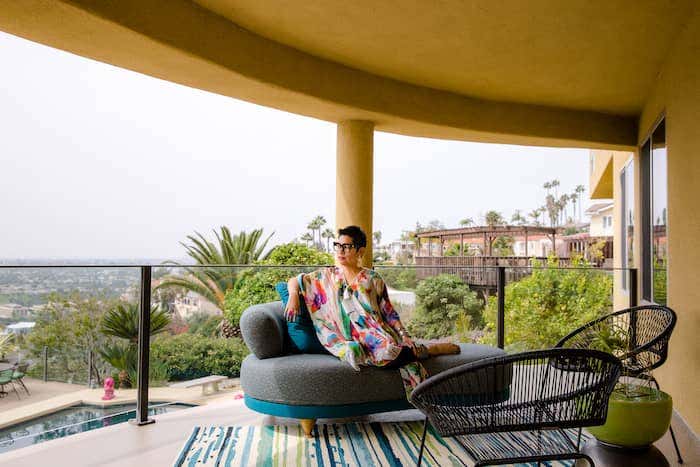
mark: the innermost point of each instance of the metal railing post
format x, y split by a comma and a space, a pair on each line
632, 287
89, 373
501, 297
144, 349
46, 363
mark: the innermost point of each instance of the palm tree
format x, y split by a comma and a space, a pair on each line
122, 321
377, 236
555, 183
552, 210
307, 237
563, 203
312, 226
466, 222
212, 283
573, 197
547, 186
534, 215
319, 221
328, 234
579, 190
493, 218
517, 218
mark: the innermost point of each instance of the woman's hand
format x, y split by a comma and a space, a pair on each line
406, 340
291, 312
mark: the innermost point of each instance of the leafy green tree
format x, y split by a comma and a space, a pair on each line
547, 305
441, 301
466, 222
292, 254
6, 344
212, 283
399, 278
69, 325
517, 218
257, 285
377, 236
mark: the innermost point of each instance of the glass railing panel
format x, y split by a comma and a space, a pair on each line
545, 302
441, 302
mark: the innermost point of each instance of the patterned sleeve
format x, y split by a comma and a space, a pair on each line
390, 315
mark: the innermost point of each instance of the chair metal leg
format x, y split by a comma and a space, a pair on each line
670, 428
422, 441
25, 387
15, 389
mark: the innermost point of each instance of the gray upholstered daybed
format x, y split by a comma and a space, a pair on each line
312, 386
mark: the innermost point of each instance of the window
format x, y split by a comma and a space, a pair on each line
654, 219
627, 221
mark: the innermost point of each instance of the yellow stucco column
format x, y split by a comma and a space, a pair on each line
354, 178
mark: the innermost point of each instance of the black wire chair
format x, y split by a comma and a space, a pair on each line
638, 336
520, 407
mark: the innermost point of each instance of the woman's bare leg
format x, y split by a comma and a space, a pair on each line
442, 348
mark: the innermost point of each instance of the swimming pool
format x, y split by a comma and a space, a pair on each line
72, 420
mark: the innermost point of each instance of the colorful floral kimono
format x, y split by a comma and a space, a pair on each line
356, 322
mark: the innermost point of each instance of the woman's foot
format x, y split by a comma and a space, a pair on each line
443, 348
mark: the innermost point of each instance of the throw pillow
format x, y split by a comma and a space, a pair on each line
302, 333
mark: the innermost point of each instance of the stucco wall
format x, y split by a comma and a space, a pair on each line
677, 94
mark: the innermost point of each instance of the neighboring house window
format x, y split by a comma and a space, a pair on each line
654, 219
627, 221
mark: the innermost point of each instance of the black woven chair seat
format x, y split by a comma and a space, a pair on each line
548, 389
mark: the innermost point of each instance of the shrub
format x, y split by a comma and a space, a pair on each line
257, 285
190, 356
547, 305
293, 254
399, 278
253, 287
440, 302
203, 324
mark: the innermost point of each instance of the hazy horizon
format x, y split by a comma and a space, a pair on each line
102, 162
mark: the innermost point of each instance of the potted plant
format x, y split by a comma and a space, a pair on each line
638, 413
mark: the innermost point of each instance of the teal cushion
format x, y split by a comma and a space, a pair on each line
301, 332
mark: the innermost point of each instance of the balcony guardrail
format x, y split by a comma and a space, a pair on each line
501, 273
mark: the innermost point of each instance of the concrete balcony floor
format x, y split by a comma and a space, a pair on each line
158, 444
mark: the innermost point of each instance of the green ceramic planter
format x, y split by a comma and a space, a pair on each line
636, 421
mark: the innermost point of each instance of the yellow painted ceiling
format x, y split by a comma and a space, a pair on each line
579, 54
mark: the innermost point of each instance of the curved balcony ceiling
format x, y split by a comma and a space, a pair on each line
578, 54
546, 72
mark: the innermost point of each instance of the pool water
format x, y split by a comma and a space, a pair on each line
73, 420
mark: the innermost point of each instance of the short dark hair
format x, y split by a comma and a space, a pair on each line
359, 238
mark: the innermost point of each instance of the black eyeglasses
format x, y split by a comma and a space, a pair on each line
343, 246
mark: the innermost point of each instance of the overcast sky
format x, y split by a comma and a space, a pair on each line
101, 162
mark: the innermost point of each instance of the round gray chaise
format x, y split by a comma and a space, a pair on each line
311, 386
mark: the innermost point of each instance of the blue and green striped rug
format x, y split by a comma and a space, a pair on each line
347, 444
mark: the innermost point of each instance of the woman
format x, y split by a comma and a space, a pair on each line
353, 316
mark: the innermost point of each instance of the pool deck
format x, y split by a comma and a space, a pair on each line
49, 397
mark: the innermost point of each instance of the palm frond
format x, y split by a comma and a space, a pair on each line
123, 321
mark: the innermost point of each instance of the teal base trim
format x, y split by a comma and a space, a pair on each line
324, 411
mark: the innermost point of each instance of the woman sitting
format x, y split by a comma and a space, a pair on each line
353, 316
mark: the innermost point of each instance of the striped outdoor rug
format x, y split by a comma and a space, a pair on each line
350, 444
